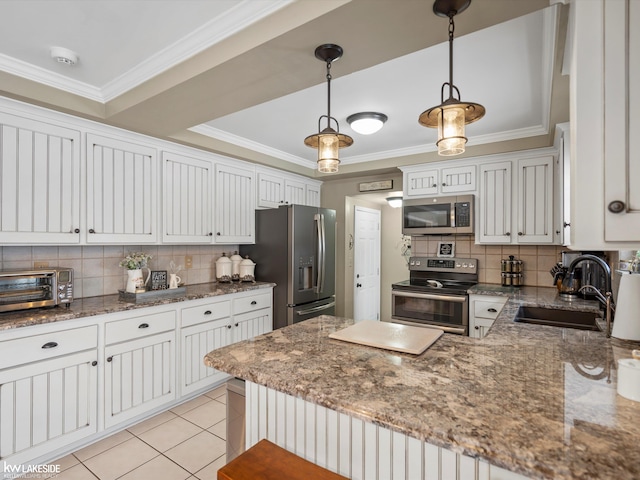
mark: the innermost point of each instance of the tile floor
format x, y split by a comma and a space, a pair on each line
186, 442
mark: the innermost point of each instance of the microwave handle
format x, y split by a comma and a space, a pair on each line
453, 214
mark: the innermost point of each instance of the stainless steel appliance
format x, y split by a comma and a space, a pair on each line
438, 215
436, 293
295, 249
23, 289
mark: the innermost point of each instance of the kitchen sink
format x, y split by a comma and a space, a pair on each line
556, 317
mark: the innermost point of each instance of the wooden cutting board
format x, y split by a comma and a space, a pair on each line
390, 336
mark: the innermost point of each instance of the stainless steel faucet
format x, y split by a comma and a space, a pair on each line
605, 297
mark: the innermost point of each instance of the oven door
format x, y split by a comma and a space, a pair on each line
448, 312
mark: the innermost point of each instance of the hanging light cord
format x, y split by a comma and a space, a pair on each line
451, 30
329, 94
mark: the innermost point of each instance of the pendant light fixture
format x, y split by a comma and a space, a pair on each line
328, 141
451, 115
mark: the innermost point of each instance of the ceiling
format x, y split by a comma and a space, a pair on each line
239, 77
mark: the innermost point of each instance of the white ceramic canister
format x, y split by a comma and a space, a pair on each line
626, 322
247, 269
223, 268
235, 264
629, 378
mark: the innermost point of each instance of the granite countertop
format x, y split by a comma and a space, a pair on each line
533, 399
91, 306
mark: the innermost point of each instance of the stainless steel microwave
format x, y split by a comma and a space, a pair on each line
438, 215
47, 287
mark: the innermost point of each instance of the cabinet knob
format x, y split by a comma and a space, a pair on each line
109, 359
492, 310
228, 326
91, 230
434, 185
477, 327
358, 285
210, 234
253, 302
508, 234
557, 232
444, 184
218, 233
616, 206
76, 230
208, 312
48, 345
520, 234
143, 325
94, 363
565, 224
237, 324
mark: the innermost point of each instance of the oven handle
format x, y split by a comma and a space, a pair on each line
444, 298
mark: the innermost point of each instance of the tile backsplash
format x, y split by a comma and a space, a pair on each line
537, 259
96, 268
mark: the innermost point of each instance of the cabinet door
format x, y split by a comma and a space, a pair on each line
197, 341
494, 215
235, 205
621, 120
251, 324
39, 182
270, 190
121, 191
458, 179
187, 199
421, 183
47, 405
139, 376
313, 195
535, 200
295, 192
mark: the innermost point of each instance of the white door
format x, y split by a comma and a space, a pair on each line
366, 282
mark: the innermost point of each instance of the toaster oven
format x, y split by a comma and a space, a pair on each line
24, 289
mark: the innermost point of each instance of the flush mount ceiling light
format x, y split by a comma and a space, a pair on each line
394, 202
451, 115
64, 55
328, 141
366, 123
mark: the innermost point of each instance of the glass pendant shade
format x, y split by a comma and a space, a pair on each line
451, 139
328, 145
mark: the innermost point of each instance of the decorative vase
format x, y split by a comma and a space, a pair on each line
135, 280
174, 281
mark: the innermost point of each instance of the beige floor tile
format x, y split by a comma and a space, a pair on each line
120, 459
169, 434
102, 445
220, 429
210, 472
222, 399
191, 404
77, 472
158, 468
206, 415
217, 392
197, 452
65, 462
152, 422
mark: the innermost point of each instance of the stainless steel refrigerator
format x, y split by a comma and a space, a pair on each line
296, 249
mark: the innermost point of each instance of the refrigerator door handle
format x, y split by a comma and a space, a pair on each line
319, 219
324, 253
316, 309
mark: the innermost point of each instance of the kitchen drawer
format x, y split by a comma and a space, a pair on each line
487, 309
49, 345
206, 313
254, 302
142, 326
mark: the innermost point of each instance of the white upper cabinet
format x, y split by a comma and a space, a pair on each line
494, 205
270, 190
276, 188
295, 192
234, 204
39, 182
605, 113
187, 209
313, 194
430, 179
535, 195
121, 191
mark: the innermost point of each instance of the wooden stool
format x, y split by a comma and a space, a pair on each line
267, 461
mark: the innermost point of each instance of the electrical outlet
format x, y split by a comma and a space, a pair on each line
40, 264
188, 261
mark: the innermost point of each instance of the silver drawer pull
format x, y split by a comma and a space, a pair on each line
492, 310
208, 312
143, 325
50, 345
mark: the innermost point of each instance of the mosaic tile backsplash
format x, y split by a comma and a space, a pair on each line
96, 268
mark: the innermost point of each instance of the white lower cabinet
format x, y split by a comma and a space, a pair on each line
140, 356
483, 311
48, 393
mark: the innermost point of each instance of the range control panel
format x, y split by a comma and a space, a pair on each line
431, 264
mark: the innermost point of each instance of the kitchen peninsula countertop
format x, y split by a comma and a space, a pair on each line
88, 307
533, 399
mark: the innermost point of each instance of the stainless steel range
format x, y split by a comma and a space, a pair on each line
436, 293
